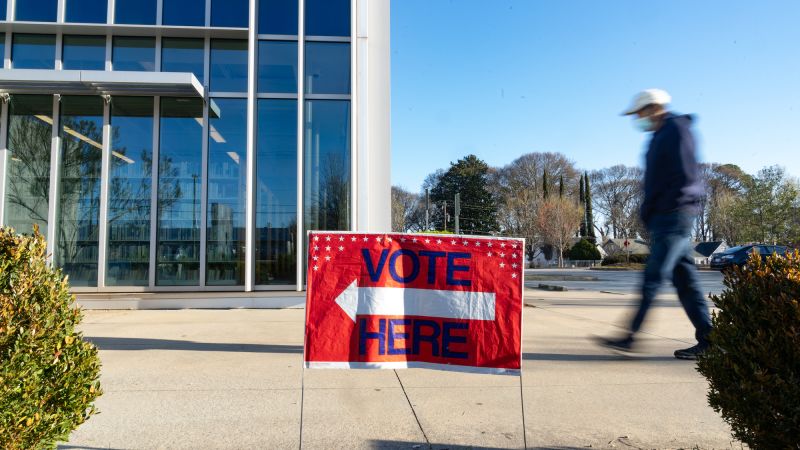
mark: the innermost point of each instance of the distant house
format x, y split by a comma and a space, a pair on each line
617, 247
705, 250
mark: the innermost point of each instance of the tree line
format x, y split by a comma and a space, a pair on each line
546, 199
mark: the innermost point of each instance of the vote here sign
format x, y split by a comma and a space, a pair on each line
389, 301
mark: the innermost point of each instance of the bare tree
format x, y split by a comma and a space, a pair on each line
617, 194
557, 221
406, 210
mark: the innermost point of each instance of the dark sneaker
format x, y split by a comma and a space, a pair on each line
691, 352
624, 345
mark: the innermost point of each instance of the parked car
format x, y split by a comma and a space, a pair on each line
737, 256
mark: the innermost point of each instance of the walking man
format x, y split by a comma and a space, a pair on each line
672, 191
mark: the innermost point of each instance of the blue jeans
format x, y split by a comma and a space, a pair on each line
670, 258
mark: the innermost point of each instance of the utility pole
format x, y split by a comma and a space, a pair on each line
446, 217
427, 209
458, 212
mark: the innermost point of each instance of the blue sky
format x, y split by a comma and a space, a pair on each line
500, 78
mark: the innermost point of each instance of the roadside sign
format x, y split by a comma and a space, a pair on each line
389, 301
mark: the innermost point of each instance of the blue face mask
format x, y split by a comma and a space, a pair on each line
643, 124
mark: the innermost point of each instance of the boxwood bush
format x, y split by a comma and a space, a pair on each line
48, 373
621, 258
753, 364
584, 250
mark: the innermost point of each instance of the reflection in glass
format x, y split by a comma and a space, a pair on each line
33, 51
87, 11
131, 164
230, 13
277, 66
134, 53
182, 55
277, 17
327, 17
227, 160
78, 208
228, 65
36, 10
184, 12
135, 12
326, 180
84, 53
30, 133
3, 9
179, 191
327, 68
276, 193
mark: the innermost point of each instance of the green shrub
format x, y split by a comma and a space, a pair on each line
48, 373
584, 250
753, 364
622, 258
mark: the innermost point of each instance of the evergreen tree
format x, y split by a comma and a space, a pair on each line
589, 217
545, 189
561, 187
469, 178
582, 193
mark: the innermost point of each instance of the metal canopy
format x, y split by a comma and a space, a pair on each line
99, 82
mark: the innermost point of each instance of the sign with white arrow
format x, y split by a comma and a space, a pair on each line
409, 300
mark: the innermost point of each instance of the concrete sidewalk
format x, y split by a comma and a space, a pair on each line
232, 379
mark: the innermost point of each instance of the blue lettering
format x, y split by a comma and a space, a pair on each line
432, 338
393, 266
432, 263
375, 273
452, 268
363, 335
397, 336
448, 338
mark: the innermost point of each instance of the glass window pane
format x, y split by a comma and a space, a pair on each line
327, 68
230, 13
87, 11
227, 161
33, 51
179, 188
228, 65
78, 216
184, 12
182, 55
131, 164
276, 192
84, 53
277, 17
137, 12
134, 53
30, 133
3, 9
326, 155
277, 66
2, 47
327, 17
36, 10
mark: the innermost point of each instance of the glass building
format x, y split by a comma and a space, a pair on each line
189, 145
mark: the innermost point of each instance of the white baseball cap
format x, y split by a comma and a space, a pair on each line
647, 97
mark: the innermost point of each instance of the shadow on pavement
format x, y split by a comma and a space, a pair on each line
583, 358
381, 444
115, 343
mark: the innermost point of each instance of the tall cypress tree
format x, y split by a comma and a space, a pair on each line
545, 189
589, 215
582, 190
561, 187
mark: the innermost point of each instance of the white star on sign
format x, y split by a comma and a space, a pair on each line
514, 246
453, 242
316, 257
353, 239
514, 265
478, 244
503, 244
366, 239
402, 239
465, 243
502, 264
327, 238
328, 258
513, 275
327, 248
513, 255
414, 240
502, 255
341, 248
438, 241
316, 238
341, 238
489, 244
316, 248
427, 241
389, 239
489, 254
378, 239
316, 268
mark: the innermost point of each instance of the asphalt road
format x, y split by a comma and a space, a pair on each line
624, 282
